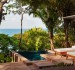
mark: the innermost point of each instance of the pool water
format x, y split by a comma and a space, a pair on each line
32, 55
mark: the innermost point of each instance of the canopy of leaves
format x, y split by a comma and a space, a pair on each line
45, 9
4, 48
15, 43
66, 7
4, 43
5, 58
34, 40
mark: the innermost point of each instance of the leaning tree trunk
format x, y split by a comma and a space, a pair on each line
51, 39
50, 31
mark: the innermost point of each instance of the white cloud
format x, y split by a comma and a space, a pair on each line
13, 22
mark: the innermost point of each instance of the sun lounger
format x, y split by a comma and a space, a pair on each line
63, 51
71, 54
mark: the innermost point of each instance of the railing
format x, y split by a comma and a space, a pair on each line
17, 57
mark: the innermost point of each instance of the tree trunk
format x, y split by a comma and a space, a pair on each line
66, 23
51, 39
20, 43
2, 2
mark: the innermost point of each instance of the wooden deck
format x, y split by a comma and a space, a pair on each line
57, 58
49, 64
13, 66
23, 66
43, 64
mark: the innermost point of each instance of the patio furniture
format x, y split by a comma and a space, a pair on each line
63, 51
71, 54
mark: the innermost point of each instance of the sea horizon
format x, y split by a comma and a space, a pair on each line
11, 32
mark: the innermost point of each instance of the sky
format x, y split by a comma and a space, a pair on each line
14, 21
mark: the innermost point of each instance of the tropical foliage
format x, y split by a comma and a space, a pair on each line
34, 39
4, 43
67, 8
4, 58
4, 48
15, 43
49, 11
37, 39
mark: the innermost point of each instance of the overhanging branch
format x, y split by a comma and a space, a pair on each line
69, 17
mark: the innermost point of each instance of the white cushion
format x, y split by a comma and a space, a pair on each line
73, 46
64, 49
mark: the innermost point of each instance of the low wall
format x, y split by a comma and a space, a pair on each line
17, 57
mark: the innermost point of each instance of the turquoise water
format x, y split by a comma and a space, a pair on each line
10, 32
33, 55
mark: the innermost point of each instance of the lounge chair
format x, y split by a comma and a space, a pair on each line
71, 54
63, 51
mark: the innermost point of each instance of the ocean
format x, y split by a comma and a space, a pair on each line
10, 32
